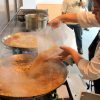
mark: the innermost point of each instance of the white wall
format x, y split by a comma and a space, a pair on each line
49, 1
29, 4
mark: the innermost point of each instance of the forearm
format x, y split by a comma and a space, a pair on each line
70, 17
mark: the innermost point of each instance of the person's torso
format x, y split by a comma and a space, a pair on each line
72, 6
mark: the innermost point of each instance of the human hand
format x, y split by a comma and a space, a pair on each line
49, 54
74, 54
64, 55
54, 23
66, 50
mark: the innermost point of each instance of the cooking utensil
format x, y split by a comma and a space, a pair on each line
36, 21
31, 22
23, 12
15, 80
21, 40
42, 21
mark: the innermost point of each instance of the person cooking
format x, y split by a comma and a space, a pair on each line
89, 69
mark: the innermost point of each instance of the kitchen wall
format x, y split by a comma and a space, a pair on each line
3, 14
12, 8
19, 4
29, 4
7, 11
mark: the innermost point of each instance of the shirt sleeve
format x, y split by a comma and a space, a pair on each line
87, 19
91, 69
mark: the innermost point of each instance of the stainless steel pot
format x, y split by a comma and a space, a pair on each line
36, 21
31, 22
42, 21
